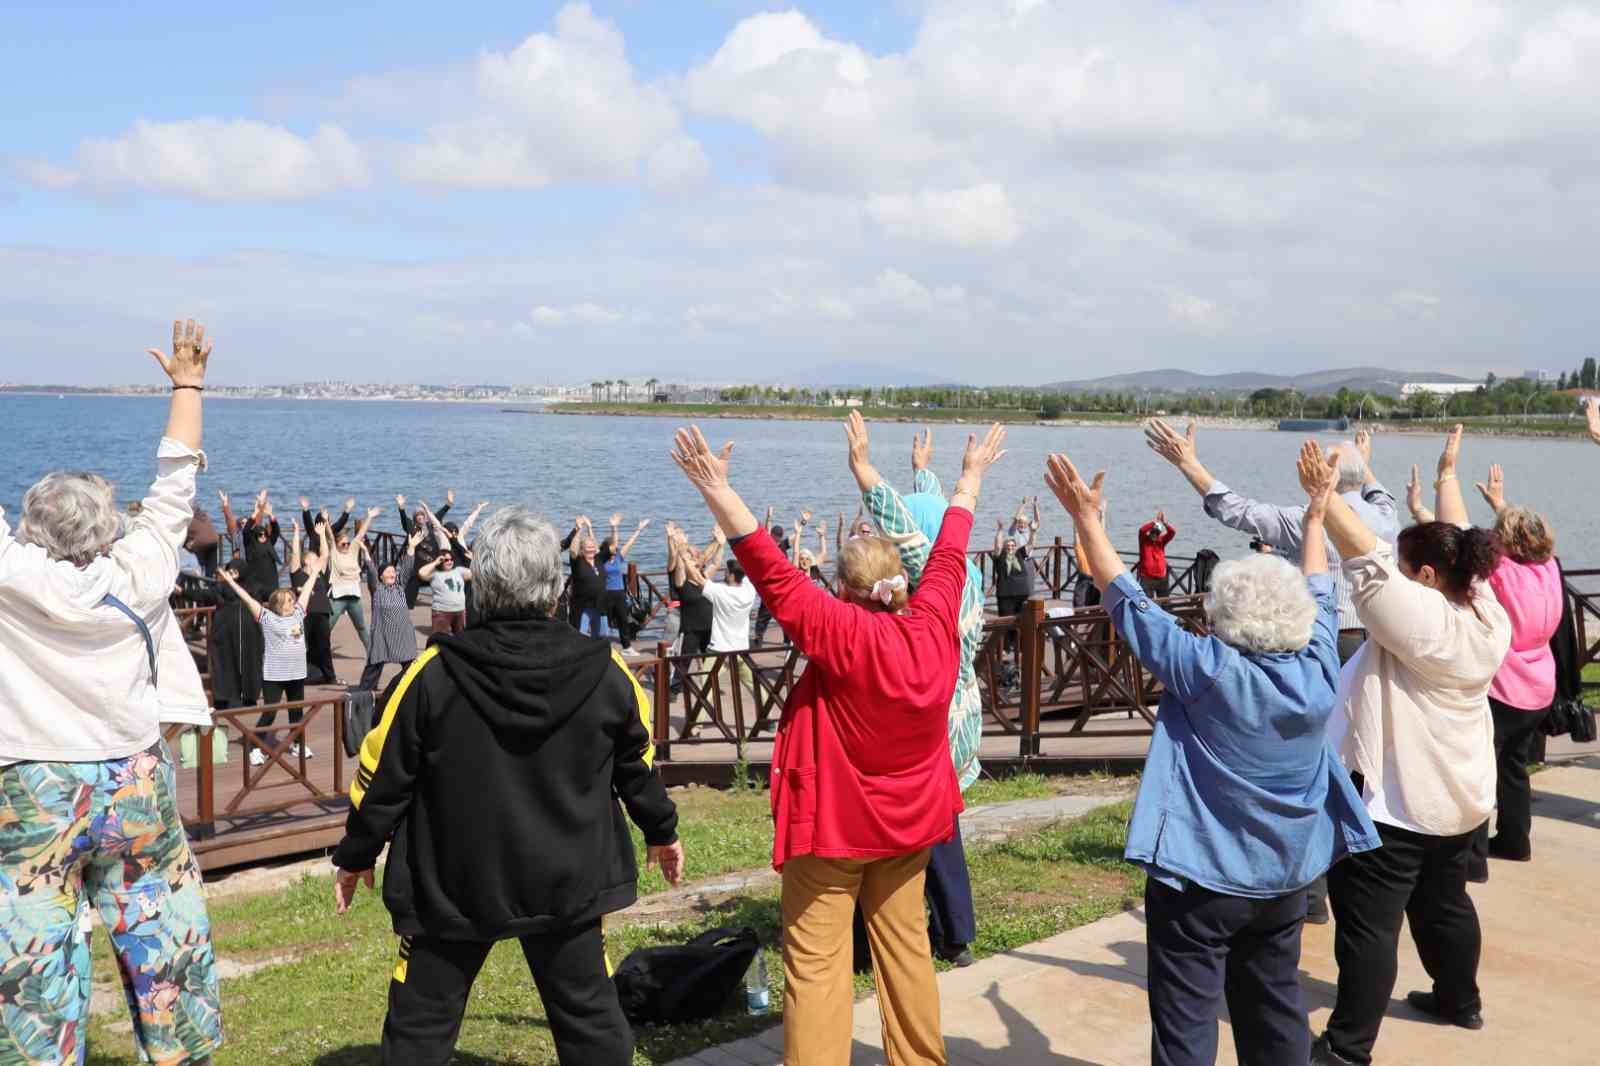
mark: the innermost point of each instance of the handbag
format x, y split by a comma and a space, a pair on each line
685, 982
1570, 717
358, 713
188, 754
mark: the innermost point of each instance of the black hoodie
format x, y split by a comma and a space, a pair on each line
496, 766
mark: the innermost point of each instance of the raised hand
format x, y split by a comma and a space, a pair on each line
616, 519
981, 455
1591, 411
922, 450
186, 366
861, 468
1451, 453
305, 504
373, 513
805, 518
643, 522
450, 497
349, 505
705, 469
1494, 490
323, 516
1081, 499
400, 502
1364, 446
223, 497
1318, 475
1167, 443
1414, 491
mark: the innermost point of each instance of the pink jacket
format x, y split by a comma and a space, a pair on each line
1531, 594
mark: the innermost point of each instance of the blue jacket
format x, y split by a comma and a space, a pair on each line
1241, 793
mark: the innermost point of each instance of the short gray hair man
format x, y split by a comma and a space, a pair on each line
72, 516
516, 564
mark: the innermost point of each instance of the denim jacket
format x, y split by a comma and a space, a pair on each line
1241, 793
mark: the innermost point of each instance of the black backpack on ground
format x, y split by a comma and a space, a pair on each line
358, 719
685, 982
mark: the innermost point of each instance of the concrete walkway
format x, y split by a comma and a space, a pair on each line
1078, 999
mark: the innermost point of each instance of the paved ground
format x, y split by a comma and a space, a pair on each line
1078, 999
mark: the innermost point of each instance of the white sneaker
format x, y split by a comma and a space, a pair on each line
258, 757
297, 749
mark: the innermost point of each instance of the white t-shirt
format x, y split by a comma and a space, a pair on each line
730, 621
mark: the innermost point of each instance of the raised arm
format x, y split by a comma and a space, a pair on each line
1494, 489
1278, 526
148, 554
1318, 478
1082, 500
1448, 501
999, 535
405, 519
1419, 510
822, 544
449, 502
797, 542
1181, 451
628, 547
186, 367
1033, 526
294, 548
1591, 413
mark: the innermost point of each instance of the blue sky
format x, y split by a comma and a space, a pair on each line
986, 190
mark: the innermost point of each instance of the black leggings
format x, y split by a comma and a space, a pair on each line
279, 692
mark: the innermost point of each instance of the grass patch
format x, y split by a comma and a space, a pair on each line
326, 1007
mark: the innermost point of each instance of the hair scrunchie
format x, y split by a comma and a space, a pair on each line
884, 588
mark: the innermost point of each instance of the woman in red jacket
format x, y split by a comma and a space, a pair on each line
862, 783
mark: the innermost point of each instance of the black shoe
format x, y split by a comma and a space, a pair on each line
1428, 1003
959, 956
1501, 851
1317, 912
1323, 1055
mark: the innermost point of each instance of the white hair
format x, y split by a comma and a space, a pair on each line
72, 516
516, 564
1352, 468
1260, 604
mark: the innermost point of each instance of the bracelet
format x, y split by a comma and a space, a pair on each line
196, 388
1443, 479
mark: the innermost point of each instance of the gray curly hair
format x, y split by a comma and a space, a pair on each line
1261, 604
73, 516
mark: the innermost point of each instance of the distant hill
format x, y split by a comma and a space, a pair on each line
1357, 379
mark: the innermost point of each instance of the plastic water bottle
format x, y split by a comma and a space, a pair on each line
757, 996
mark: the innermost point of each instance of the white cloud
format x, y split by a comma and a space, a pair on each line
563, 106
585, 313
230, 160
978, 217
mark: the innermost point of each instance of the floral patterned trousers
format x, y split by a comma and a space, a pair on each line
106, 834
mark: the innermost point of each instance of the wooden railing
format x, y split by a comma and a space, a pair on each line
218, 799
1583, 586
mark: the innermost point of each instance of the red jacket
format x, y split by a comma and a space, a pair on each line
1153, 549
861, 763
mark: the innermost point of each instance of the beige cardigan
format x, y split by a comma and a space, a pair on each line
1413, 710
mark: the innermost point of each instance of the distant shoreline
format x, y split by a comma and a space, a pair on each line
47, 393
1572, 429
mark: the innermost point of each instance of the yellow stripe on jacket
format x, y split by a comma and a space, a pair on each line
646, 708
372, 744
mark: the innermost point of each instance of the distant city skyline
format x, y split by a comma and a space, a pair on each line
989, 191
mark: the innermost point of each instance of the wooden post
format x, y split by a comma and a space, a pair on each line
206, 800
1031, 669
1055, 562
661, 728
631, 582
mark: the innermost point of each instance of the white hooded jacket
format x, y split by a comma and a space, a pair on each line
75, 682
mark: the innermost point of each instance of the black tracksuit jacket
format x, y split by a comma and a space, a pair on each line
496, 768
